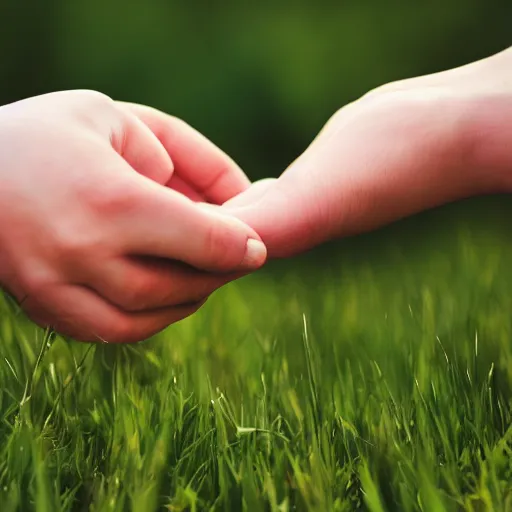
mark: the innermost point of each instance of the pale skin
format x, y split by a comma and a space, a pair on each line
98, 238
403, 148
106, 269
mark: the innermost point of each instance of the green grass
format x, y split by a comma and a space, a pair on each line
374, 375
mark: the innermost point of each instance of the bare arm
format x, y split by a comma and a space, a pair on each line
400, 149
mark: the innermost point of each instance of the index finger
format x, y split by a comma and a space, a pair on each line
197, 161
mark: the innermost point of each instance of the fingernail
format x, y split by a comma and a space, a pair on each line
255, 254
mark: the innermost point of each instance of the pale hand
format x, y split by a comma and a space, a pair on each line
91, 225
403, 148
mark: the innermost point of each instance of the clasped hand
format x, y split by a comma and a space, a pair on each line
117, 220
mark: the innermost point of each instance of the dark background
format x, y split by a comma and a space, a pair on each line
258, 78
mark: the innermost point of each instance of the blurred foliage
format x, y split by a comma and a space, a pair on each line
259, 78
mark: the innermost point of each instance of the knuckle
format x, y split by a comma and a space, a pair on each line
68, 244
75, 244
96, 98
111, 200
97, 112
94, 107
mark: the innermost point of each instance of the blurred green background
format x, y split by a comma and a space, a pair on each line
258, 78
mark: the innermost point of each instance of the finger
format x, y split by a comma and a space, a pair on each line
80, 313
139, 284
283, 212
156, 221
139, 146
181, 186
197, 160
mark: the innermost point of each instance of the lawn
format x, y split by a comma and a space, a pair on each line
373, 374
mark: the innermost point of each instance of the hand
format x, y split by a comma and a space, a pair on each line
89, 232
400, 149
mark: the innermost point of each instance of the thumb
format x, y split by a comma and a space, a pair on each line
280, 212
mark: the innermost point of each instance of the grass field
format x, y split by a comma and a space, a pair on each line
375, 375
